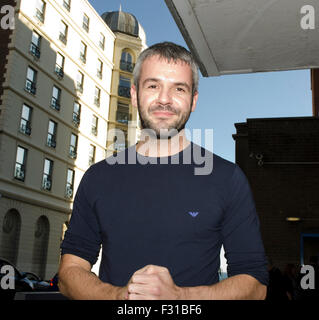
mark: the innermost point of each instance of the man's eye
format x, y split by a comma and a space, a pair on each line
152, 86
180, 89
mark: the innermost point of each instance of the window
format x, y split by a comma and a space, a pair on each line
40, 10
99, 69
79, 81
67, 4
30, 85
51, 140
83, 49
76, 114
70, 183
97, 96
122, 113
102, 41
73, 146
63, 36
56, 98
59, 65
94, 125
35, 45
21, 158
86, 22
124, 87
126, 63
119, 144
25, 122
91, 154
47, 175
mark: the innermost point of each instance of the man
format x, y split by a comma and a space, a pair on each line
161, 226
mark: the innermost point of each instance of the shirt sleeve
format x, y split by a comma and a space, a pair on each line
244, 250
82, 237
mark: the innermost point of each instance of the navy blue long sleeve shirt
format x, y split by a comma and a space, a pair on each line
164, 214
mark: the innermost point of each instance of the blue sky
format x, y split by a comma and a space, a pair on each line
223, 100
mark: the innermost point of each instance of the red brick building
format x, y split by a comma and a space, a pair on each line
280, 157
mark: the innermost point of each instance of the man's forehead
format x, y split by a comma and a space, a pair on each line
156, 57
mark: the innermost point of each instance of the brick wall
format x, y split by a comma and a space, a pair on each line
275, 155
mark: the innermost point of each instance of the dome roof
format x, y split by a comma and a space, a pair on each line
120, 21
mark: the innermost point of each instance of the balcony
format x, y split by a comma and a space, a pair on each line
47, 183
30, 87
126, 66
66, 5
85, 26
94, 131
72, 152
69, 191
91, 160
35, 50
76, 119
25, 127
62, 38
83, 57
99, 74
124, 91
19, 173
51, 142
79, 87
59, 71
40, 15
97, 101
55, 104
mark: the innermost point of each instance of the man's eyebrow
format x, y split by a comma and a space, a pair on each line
183, 84
150, 80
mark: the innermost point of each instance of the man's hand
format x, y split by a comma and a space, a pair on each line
153, 283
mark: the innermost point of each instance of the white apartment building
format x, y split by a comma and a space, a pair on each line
55, 112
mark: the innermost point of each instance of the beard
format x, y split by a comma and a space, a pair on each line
160, 128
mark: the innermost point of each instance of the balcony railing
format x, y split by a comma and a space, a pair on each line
126, 66
79, 87
39, 14
72, 152
19, 173
30, 86
47, 183
94, 131
62, 38
59, 71
85, 26
35, 50
55, 104
91, 160
51, 142
97, 101
124, 92
99, 74
66, 5
69, 191
76, 118
83, 57
25, 127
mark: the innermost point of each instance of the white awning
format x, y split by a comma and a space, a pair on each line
244, 36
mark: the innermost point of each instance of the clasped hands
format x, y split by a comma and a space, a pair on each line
152, 283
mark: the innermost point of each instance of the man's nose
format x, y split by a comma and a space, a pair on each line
164, 96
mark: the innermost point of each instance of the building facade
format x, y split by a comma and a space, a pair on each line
57, 99
280, 157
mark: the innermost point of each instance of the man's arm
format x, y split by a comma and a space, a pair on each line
76, 281
156, 283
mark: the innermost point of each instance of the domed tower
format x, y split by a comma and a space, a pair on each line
130, 41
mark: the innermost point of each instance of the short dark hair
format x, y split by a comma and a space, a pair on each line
168, 51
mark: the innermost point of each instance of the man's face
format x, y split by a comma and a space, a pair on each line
164, 98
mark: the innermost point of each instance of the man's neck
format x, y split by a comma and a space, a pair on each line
150, 147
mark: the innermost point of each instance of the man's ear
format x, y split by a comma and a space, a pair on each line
134, 96
194, 102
